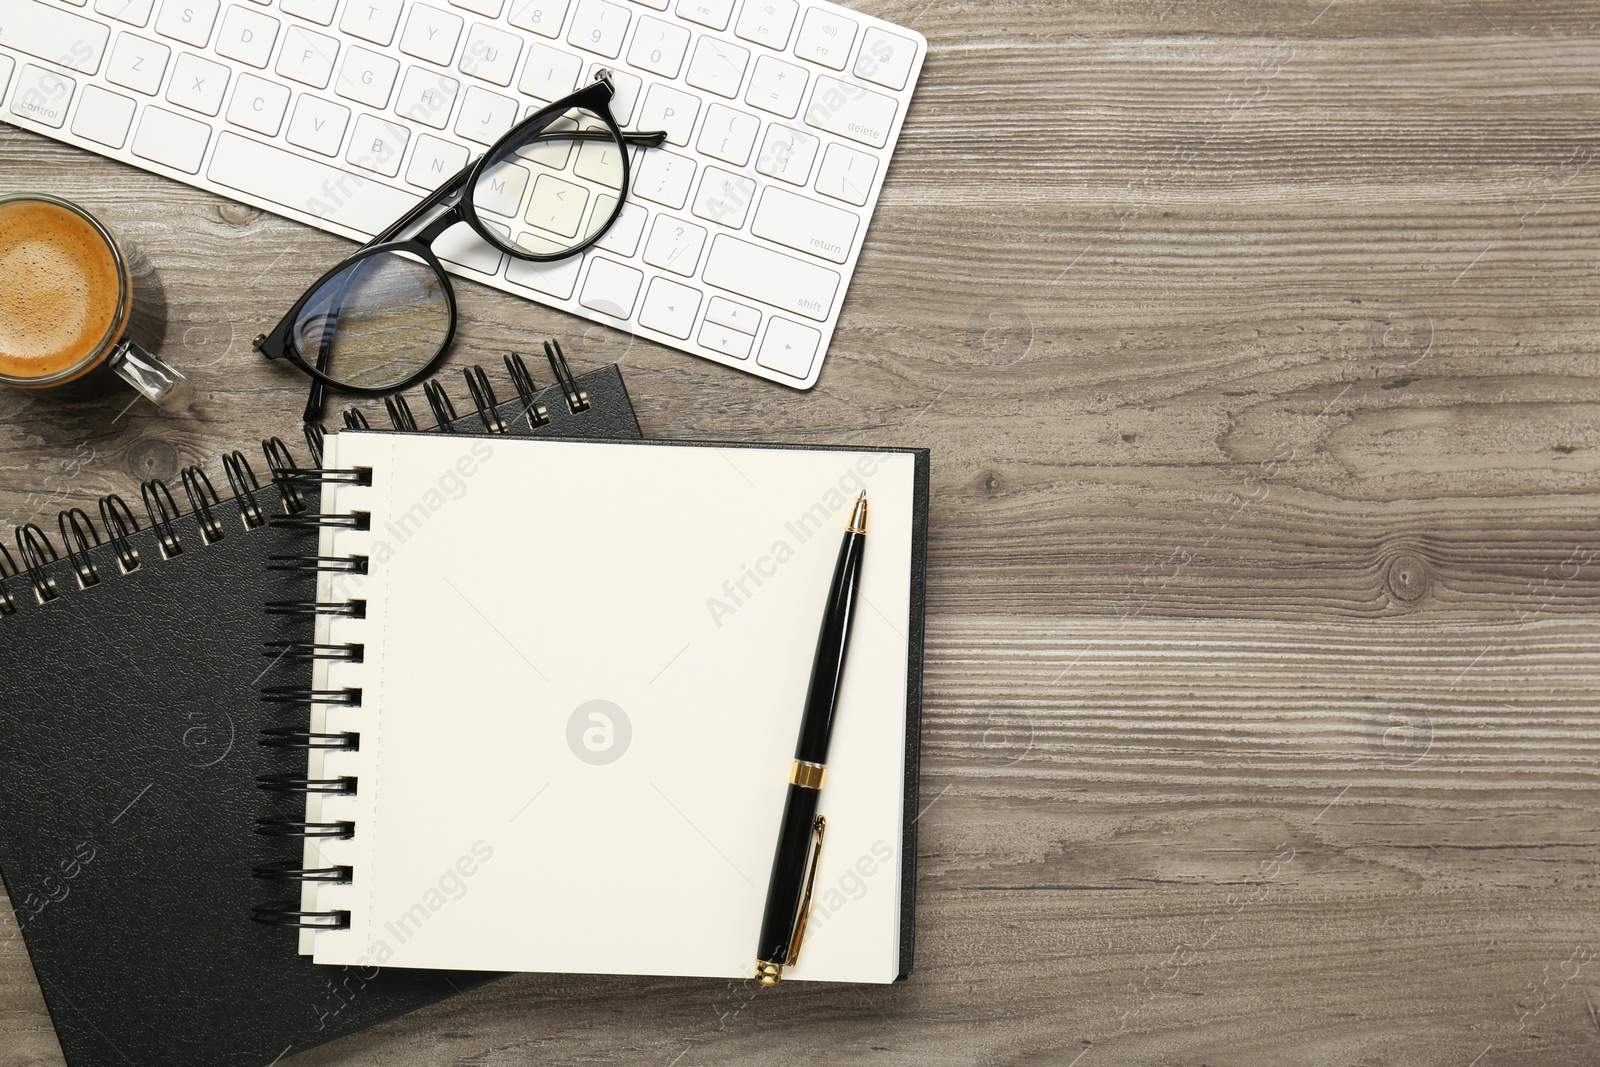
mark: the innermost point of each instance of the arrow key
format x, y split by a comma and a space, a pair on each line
670, 308
788, 347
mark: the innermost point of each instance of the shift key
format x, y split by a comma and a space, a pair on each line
771, 277
51, 34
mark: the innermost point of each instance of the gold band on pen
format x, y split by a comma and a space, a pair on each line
807, 775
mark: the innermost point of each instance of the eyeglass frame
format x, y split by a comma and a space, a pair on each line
594, 98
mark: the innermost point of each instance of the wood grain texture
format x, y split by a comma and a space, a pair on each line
1258, 347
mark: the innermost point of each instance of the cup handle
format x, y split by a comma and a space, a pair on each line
154, 379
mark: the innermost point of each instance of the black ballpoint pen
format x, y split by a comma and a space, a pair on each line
794, 865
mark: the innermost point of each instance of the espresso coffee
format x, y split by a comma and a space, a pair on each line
62, 294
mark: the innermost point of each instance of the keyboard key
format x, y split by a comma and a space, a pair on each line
770, 277
787, 154
885, 58
556, 278
549, 73
103, 116
330, 193
426, 96
675, 245
171, 140
805, 225
739, 317
712, 13
788, 347
485, 115
851, 111
42, 95
611, 288
540, 16
724, 197
625, 91
137, 64
776, 86
557, 205
7, 65
670, 307
767, 22
825, 38
434, 161
728, 134
247, 36
372, 20
198, 84
846, 174
431, 34
377, 145
318, 125
258, 104
729, 342
318, 11
366, 77
307, 57
489, 9
133, 12
490, 54
659, 47
664, 177
601, 163
666, 108
659, 5
53, 35
189, 21
499, 191
461, 245
623, 236
599, 27
717, 67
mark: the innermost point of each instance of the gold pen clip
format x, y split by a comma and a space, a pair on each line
805, 897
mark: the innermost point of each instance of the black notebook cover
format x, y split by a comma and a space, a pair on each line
130, 716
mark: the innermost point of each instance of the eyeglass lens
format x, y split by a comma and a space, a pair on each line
377, 323
553, 189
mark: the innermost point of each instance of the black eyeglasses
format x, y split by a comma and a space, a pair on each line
548, 189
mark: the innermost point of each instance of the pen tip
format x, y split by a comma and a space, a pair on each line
858, 515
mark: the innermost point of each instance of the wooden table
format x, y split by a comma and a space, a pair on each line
1256, 344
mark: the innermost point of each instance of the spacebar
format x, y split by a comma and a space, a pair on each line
305, 185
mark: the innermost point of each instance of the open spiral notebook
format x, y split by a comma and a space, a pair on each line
577, 681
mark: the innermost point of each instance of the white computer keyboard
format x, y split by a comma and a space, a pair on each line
739, 236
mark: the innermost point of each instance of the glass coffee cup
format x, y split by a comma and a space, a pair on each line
66, 299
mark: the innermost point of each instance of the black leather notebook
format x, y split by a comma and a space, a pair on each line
130, 758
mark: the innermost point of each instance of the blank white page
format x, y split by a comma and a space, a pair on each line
508, 816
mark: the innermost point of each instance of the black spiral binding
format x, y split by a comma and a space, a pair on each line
202, 497
119, 522
483, 397
290, 477
400, 412
242, 480
444, 412
8, 569
354, 419
536, 413
79, 535
81, 539
36, 551
162, 509
577, 399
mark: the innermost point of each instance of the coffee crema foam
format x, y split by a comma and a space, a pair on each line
59, 289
